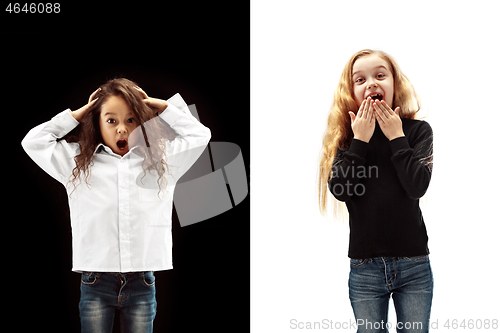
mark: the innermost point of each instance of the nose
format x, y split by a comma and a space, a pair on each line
372, 85
122, 129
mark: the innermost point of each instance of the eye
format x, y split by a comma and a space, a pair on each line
131, 120
380, 76
111, 121
359, 80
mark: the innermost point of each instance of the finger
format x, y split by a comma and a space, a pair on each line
353, 116
368, 104
362, 109
369, 107
379, 115
398, 109
387, 109
384, 109
376, 109
143, 93
93, 94
369, 110
149, 103
371, 114
380, 120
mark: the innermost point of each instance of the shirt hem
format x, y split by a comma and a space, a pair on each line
114, 270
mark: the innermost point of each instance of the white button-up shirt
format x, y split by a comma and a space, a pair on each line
121, 222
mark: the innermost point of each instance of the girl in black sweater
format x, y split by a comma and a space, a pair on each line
379, 162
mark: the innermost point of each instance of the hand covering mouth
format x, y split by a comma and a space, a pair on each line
122, 144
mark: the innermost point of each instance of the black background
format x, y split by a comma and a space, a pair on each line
51, 62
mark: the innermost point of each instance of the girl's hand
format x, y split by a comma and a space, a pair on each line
78, 114
158, 105
363, 124
388, 120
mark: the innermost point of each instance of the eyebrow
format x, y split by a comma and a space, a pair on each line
114, 114
381, 66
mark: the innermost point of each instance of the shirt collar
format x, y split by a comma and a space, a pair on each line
98, 148
102, 147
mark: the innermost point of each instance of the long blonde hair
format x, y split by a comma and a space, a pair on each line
339, 133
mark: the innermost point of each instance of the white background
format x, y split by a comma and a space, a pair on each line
449, 50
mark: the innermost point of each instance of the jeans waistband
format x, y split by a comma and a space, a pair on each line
116, 273
395, 258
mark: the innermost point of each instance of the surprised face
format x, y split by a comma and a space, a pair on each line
372, 78
116, 122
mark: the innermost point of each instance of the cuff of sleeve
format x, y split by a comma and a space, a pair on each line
65, 123
398, 144
171, 114
358, 147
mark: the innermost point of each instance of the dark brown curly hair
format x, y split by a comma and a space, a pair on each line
88, 134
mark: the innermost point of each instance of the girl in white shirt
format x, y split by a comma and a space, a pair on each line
119, 157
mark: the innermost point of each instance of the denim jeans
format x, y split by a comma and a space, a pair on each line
132, 294
408, 280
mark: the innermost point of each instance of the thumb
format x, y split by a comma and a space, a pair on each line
353, 116
397, 110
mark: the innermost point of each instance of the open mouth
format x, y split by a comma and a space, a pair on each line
122, 144
376, 96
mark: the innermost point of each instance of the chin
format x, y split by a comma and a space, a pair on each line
120, 152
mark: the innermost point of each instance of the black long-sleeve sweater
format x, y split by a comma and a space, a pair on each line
381, 183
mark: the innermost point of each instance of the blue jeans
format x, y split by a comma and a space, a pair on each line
409, 280
132, 294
